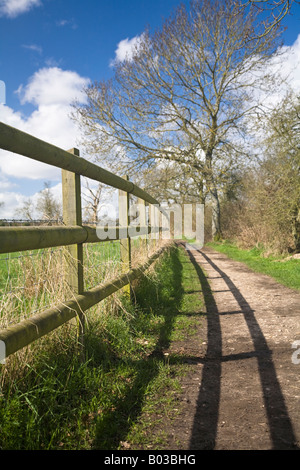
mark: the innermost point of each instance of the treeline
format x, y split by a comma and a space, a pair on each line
200, 111
264, 207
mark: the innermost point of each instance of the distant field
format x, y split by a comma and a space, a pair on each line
33, 280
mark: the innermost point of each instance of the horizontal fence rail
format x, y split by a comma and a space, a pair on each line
13, 239
25, 144
24, 333
73, 234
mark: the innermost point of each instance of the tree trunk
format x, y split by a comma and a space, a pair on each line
216, 215
215, 203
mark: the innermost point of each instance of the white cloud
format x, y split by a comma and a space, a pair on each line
49, 86
33, 47
5, 183
127, 48
62, 22
14, 200
13, 8
51, 91
71, 23
52, 62
291, 64
286, 69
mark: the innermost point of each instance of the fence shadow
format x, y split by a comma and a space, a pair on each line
116, 423
206, 416
204, 430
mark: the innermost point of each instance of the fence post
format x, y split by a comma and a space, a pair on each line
72, 215
125, 242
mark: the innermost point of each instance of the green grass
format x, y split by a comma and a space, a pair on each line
31, 281
285, 272
125, 388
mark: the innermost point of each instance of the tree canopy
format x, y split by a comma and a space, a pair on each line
184, 95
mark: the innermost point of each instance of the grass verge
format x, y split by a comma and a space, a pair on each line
286, 272
126, 386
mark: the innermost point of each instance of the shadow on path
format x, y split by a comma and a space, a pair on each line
206, 417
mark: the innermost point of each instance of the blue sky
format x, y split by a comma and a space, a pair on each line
49, 50
73, 35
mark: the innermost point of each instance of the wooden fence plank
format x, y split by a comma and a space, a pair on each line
125, 242
17, 141
72, 235
72, 215
24, 333
13, 239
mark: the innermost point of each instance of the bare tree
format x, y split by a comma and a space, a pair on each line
92, 198
46, 207
26, 211
282, 150
266, 209
276, 10
170, 182
183, 95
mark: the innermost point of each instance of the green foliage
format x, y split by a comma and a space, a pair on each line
267, 207
57, 401
287, 272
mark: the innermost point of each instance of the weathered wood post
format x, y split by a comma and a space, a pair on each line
125, 242
72, 215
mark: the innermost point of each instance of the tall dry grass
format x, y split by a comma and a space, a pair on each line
33, 281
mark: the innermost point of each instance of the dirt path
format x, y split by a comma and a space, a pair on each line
243, 389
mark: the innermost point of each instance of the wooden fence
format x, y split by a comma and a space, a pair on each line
73, 234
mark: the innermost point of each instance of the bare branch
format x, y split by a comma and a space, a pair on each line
185, 94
